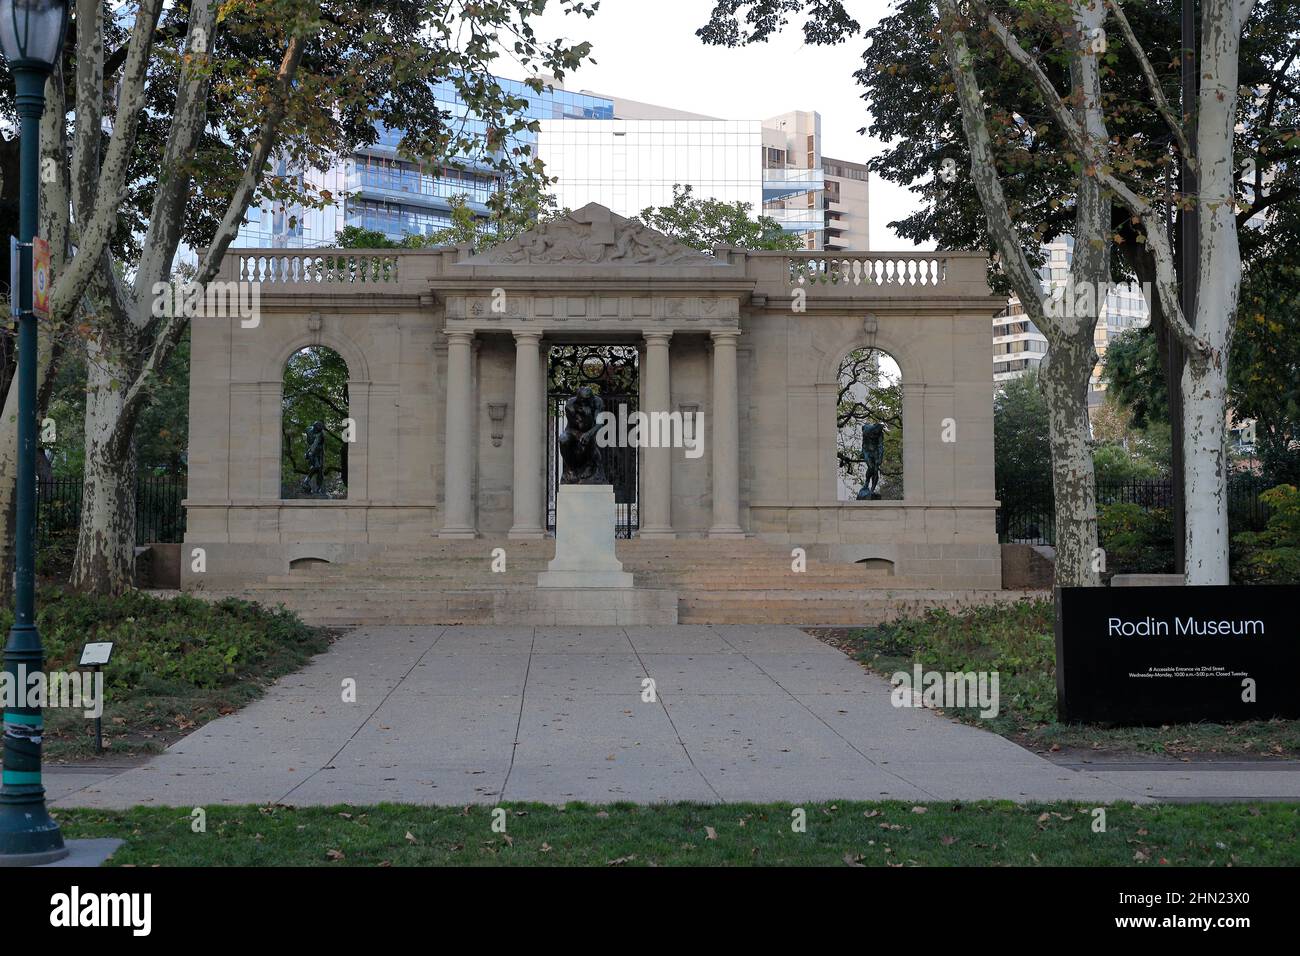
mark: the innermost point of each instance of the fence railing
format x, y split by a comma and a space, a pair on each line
1028, 511
159, 516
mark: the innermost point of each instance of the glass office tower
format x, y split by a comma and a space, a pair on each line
620, 153
376, 189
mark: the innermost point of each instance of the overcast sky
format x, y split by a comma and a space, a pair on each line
647, 50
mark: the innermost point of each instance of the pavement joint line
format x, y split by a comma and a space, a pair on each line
816, 716
664, 705
1208, 766
519, 721
371, 716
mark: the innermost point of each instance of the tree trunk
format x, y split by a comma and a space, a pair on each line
1063, 378
1205, 385
1205, 391
105, 559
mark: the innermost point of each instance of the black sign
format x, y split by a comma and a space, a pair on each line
1155, 655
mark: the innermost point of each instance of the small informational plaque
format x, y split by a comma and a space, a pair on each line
1157, 655
96, 654
40, 278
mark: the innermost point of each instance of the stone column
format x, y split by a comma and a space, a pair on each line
530, 424
458, 502
726, 437
656, 479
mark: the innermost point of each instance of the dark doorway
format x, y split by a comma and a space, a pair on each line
613, 372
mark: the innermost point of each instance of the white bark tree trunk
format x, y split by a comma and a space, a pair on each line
105, 558
1205, 379
1065, 372
1205, 477
1063, 379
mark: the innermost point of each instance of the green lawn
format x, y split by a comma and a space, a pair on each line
177, 663
1017, 641
847, 833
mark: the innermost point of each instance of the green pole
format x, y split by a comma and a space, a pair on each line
28, 836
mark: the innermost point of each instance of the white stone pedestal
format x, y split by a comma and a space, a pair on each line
584, 541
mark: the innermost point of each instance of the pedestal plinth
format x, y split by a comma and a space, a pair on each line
584, 541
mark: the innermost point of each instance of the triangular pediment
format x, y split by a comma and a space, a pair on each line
592, 235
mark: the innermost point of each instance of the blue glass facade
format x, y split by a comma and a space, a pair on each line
398, 197
595, 154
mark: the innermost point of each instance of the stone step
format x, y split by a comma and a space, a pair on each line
356, 606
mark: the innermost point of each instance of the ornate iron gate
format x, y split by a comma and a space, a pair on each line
613, 372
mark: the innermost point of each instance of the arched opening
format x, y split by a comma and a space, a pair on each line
315, 429
869, 426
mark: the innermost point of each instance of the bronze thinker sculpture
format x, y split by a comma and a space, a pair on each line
584, 459
873, 456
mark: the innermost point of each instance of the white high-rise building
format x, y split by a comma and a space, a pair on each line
1018, 345
621, 153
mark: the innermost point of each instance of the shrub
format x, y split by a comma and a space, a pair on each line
1272, 556
1136, 539
182, 641
1018, 641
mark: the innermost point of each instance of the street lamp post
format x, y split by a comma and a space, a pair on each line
31, 34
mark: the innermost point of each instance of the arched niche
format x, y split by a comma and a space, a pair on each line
316, 424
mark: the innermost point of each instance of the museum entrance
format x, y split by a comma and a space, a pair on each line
612, 371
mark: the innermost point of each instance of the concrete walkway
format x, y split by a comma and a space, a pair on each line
455, 715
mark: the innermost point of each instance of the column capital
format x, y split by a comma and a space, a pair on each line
726, 336
524, 335
657, 337
459, 336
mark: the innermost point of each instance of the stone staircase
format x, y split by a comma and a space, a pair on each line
723, 581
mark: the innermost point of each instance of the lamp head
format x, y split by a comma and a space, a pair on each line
31, 32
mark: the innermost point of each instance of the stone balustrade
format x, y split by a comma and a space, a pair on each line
861, 276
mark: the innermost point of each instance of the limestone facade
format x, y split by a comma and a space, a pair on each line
435, 339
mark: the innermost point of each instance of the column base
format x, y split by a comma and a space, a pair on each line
726, 531
515, 534
657, 534
463, 533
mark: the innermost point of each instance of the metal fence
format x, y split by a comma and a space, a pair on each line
1028, 511
159, 516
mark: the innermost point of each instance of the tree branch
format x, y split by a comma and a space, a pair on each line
256, 166
1153, 83
94, 235
167, 214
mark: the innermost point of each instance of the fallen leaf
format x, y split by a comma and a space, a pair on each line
334, 854
851, 859
947, 840
410, 837
619, 861
920, 809
710, 833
